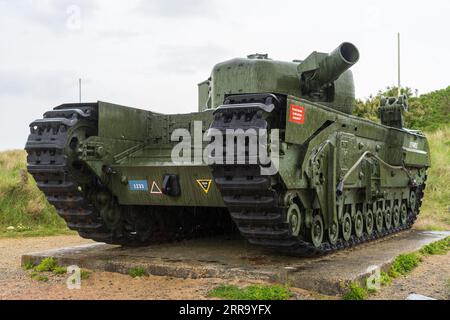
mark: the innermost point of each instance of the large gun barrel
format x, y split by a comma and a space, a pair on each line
320, 69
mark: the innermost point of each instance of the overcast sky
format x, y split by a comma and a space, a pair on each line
152, 53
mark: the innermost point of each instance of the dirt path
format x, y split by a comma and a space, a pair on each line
431, 278
16, 283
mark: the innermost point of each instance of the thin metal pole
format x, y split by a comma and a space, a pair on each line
399, 66
79, 86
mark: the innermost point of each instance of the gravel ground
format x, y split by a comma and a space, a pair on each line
17, 284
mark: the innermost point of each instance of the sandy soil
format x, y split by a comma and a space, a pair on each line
16, 283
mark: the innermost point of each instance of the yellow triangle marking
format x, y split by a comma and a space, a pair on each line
205, 185
155, 188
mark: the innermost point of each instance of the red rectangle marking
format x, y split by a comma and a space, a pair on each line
297, 114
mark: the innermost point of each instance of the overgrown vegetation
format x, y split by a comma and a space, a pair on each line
24, 211
254, 292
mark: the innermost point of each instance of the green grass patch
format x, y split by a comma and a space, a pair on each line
50, 265
254, 292
59, 270
38, 277
356, 292
404, 264
439, 247
46, 265
385, 279
28, 265
84, 274
137, 272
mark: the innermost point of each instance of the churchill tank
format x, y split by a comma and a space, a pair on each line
273, 152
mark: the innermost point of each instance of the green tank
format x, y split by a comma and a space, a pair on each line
273, 152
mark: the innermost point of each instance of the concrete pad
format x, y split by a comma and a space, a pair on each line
232, 258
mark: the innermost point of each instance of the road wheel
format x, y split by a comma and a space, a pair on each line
294, 219
396, 216
403, 214
369, 222
347, 226
333, 233
317, 231
359, 224
388, 218
379, 220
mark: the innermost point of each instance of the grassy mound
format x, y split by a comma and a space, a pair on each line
24, 211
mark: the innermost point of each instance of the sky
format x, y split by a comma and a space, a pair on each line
151, 54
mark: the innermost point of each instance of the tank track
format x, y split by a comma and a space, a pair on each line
52, 161
254, 202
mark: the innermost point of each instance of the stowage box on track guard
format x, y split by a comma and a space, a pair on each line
273, 152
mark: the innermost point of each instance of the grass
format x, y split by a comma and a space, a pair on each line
356, 292
84, 274
254, 292
46, 265
24, 210
137, 272
385, 279
404, 264
439, 247
436, 204
38, 277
